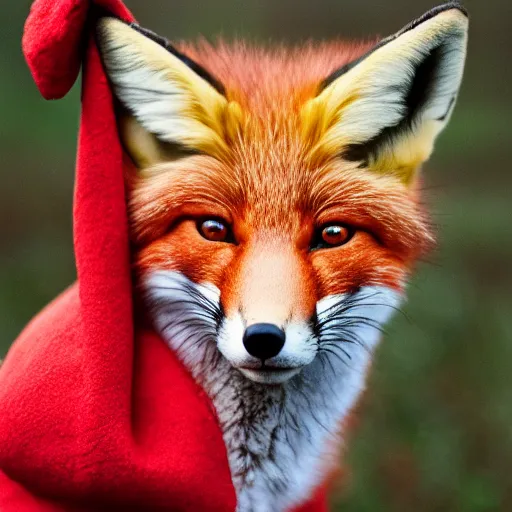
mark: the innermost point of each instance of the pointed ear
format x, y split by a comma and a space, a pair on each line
386, 109
171, 104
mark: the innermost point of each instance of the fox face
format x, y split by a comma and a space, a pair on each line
281, 186
280, 195
275, 211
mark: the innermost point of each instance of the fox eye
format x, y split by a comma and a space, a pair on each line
214, 230
332, 235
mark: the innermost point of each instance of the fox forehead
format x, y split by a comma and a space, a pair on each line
277, 192
268, 176
272, 85
287, 137
273, 82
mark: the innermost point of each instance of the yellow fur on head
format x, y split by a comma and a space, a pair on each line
363, 113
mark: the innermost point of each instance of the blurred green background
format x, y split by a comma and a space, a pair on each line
435, 427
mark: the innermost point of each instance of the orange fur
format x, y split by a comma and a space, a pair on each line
273, 194
285, 152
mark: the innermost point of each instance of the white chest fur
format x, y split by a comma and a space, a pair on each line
279, 439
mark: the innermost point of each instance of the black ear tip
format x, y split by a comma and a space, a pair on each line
462, 9
448, 7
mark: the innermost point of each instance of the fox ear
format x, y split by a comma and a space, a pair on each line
386, 109
171, 104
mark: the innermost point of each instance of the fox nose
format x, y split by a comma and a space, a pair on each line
264, 340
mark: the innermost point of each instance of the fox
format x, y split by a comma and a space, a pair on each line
276, 215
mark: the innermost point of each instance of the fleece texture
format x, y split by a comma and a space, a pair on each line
96, 412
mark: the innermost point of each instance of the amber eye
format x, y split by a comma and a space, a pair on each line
332, 235
214, 230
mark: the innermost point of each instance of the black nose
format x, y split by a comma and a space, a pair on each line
264, 340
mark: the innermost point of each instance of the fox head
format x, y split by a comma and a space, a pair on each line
274, 201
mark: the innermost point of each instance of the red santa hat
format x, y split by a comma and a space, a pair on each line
96, 413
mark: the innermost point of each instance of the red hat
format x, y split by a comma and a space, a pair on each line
97, 413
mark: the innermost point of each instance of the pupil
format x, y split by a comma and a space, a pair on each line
213, 230
214, 226
331, 236
334, 235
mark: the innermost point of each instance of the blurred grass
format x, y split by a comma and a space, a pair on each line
434, 430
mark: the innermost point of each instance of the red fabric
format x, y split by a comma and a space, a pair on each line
95, 413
